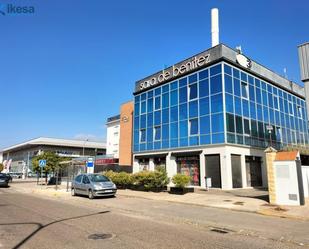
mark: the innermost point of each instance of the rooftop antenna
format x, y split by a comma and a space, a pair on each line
214, 27
238, 48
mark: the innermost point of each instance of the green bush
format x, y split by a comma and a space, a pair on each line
147, 180
121, 179
180, 180
150, 179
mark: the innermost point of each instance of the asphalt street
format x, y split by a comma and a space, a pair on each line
28, 221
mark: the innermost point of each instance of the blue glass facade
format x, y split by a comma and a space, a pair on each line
216, 105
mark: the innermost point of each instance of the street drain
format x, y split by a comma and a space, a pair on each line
217, 230
97, 236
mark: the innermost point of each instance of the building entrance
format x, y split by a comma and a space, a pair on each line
254, 171
212, 169
236, 171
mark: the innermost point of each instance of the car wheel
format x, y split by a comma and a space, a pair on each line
90, 194
73, 192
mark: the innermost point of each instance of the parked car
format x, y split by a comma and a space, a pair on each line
93, 185
4, 180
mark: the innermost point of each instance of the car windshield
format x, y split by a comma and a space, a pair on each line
98, 178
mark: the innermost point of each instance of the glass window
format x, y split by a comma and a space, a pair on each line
136, 109
203, 74
244, 77
165, 116
228, 83
183, 112
183, 126
237, 87
143, 96
174, 130
252, 110
229, 103
254, 131
137, 98
257, 83
238, 121
204, 88
183, 82
143, 135
216, 84
165, 100
246, 126
150, 134
216, 103
217, 138
238, 106
193, 126
250, 80
236, 73
244, 90
143, 121
183, 97
245, 108
157, 103
157, 118
143, 107
150, 105
264, 95
174, 97
205, 125
204, 106
165, 88
174, 85
149, 119
270, 100
192, 78
227, 69
205, 139
193, 109
230, 127
150, 94
217, 123
193, 91
165, 132
276, 104
158, 91
258, 95
174, 113
215, 70
136, 123
157, 132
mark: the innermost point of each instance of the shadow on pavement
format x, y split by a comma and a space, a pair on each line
41, 226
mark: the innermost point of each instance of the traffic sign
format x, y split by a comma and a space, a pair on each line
42, 163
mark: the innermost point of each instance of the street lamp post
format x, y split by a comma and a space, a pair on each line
269, 129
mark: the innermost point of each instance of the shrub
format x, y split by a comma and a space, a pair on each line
150, 179
180, 180
121, 179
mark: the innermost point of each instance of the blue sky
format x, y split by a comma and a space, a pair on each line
68, 66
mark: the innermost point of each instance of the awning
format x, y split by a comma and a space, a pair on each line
187, 153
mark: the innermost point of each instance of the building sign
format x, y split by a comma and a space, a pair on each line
179, 69
105, 161
243, 61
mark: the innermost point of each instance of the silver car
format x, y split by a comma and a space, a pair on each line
93, 185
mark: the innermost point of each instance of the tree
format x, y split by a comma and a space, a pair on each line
1, 167
52, 162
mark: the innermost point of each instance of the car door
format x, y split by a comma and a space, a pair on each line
77, 184
85, 185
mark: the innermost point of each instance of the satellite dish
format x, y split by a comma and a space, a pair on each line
243, 61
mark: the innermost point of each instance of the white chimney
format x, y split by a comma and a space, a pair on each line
214, 27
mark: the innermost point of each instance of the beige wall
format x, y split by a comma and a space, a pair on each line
126, 130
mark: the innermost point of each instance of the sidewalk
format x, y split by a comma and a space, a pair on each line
245, 200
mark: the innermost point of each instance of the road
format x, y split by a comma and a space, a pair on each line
28, 221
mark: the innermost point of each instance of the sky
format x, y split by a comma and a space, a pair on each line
67, 67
